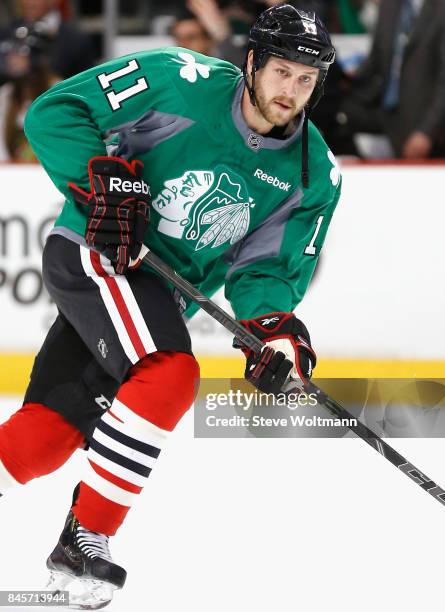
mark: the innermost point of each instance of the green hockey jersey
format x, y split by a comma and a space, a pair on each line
228, 206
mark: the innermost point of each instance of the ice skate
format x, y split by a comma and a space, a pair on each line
82, 565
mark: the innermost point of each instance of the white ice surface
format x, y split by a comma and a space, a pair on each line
254, 525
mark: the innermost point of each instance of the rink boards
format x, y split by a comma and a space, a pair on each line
374, 308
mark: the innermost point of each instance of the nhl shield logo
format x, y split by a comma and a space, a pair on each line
254, 141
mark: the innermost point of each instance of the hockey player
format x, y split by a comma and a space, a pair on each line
240, 188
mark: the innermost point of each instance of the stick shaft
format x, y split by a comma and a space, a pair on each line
252, 342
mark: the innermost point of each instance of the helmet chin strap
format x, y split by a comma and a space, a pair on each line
305, 150
312, 103
250, 88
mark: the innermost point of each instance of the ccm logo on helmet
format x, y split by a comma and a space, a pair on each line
308, 50
117, 184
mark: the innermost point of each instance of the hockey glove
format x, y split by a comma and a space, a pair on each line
288, 354
118, 209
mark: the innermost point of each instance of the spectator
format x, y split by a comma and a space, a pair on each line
30, 75
368, 14
357, 16
70, 50
189, 32
400, 89
216, 22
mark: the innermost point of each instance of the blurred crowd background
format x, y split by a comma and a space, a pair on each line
384, 96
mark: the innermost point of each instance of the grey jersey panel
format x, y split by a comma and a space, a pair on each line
152, 128
266, 240
60, 230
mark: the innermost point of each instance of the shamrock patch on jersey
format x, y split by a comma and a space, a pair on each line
209, 207
191, 68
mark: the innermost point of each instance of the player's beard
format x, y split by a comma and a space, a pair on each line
272, 113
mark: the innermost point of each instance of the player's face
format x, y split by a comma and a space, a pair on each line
282, 88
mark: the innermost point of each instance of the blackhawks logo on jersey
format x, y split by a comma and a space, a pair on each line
209, 207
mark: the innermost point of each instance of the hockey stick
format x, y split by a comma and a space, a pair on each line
252, 342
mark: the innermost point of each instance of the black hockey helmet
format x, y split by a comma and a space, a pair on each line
296, 35
299, 36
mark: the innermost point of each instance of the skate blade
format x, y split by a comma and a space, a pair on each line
84, 593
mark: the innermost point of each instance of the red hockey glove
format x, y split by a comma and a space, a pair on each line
118, 209
288, 351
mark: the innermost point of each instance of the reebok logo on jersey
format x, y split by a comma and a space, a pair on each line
272, 180
117, 184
